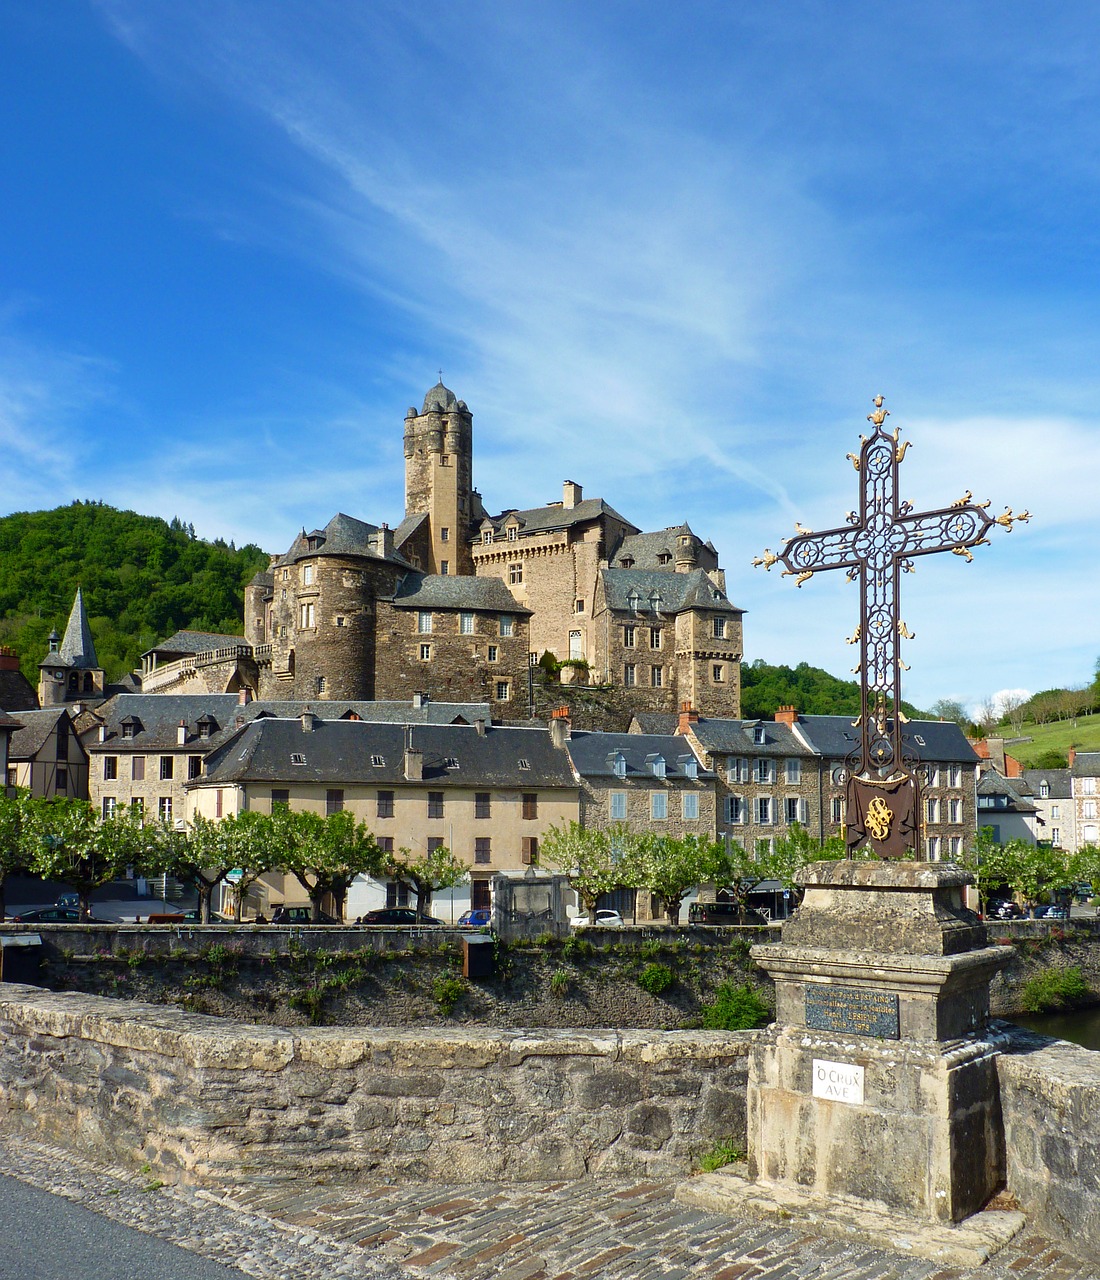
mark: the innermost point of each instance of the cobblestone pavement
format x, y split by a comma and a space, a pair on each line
547, 1231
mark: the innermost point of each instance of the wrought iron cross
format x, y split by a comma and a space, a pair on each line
876, 546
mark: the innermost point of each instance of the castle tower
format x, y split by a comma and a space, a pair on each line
439, 477
70, 672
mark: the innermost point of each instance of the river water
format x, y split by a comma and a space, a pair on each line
1081, 1026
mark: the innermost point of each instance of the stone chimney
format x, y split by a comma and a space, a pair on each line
181, 733
688, 717
786, 715
479, 727
996, 748
1072, 755
309, 720
384, 541
561, 727
9, 659
244, 697
570, 495
414, 764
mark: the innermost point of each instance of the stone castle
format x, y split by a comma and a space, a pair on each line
459, 605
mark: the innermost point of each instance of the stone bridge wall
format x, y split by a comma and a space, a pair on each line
199, 1098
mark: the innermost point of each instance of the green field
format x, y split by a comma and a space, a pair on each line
1082, 733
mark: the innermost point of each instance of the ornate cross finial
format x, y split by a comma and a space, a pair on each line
877, 545
441, 377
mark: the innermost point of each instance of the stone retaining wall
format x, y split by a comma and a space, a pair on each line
1050, 1100
198, 1098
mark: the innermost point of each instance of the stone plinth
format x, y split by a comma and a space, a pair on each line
877, 1086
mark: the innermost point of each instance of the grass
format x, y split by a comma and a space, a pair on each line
1084, 734
720, 1155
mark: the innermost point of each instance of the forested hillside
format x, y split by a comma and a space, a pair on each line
142, 578
812, 691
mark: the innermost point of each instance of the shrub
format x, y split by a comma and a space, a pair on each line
559, 983
1056, 988
736, 1009
448, 992
721, 1154
656, 978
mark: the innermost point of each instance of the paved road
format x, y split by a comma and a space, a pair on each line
48, 1238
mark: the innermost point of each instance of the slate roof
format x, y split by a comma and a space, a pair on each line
991, 784
8, 722
735, 737
547, 519
941, 741
646, 548
1057, 780
77, 649
185, 642
34, 730
440, 398
160, 713
343, 536
446, 591
677, 591
16, 692
344, 751
1086, 764
407, 528
590, 751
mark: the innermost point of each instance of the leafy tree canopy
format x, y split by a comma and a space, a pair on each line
814, 692
143, 578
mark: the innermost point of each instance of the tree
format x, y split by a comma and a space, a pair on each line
793, 851
325, 854
1024, 869
14, 857
1084, 865
987, 717
950, 709
595, 861
1014, 711
198, 856
68, 842
427, 872
251, 847
668, 866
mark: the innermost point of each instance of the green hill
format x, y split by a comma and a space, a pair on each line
1044, 742
143, 578
814, 692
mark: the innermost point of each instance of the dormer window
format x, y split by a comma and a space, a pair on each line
758, 734
617, 761
634, 600
314, 543
664, 558
689, 766
130, 726
487, 536
655, 601
296, 757
1044, 789
377, 761
451, 762
627, 562
207, 725
513, 532
656, 764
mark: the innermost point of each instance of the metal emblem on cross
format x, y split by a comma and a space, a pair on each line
876, 546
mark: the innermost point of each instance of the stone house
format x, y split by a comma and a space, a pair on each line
650, 784
1084, 771
1051, 791
487, 793
773, 773
1005, 808
144, 748
7, 728
46, 756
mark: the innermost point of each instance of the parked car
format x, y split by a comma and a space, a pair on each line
1052, 913
55, 915
397, 915
1001, 910
605, 919
476, 918
299, 915
724, 913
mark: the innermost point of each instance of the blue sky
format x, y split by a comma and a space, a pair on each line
668, 251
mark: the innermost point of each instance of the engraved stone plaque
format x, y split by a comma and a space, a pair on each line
852, 1010
838, 1081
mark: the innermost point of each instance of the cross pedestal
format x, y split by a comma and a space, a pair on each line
873, 1102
